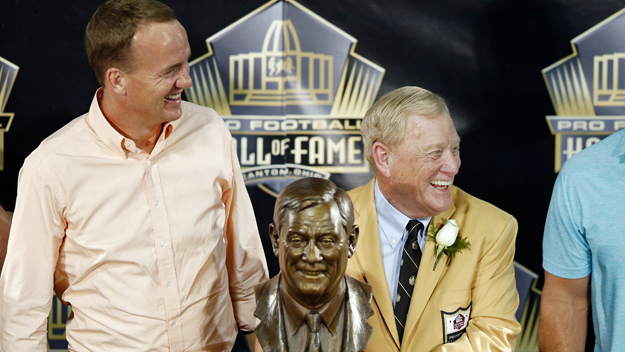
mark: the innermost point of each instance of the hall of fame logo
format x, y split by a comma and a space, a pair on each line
8, 72
293, 93
587, 89
455, 323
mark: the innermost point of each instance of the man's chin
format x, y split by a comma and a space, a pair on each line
443, 208
311, 288
440, 205
172, 116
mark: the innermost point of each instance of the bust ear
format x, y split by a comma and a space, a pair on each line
275, 238
382, 156
116, 80
352, 240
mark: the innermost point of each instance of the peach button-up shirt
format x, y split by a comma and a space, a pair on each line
154, 252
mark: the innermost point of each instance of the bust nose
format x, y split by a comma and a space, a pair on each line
312, 253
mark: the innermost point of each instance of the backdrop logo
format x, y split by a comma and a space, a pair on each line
8, 72
587, 89
292, 92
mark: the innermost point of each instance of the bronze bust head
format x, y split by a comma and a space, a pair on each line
313, 235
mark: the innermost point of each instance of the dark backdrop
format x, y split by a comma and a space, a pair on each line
485, 57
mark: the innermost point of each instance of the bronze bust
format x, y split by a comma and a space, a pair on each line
311, 305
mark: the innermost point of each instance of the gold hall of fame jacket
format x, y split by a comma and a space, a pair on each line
468, 305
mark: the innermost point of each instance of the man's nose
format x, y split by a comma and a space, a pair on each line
312, 253
451, 164
184, 80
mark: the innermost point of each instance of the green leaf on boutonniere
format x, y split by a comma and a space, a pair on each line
458, 245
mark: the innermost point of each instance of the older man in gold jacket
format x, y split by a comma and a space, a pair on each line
464, 304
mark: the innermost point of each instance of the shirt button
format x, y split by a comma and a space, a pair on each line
127, 144
173, 322
156, 203
163, 243
149, 163
168, 283
393, 242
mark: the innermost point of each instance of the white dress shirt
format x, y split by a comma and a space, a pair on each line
393, 235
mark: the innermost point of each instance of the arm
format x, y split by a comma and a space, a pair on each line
5, 226
563, 312
492, 326
245, 258
566, 253
27, 279
252, 342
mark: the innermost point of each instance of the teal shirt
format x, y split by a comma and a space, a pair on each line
585, 233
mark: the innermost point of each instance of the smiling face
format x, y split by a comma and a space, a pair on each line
421, 170
159, 74
313, 247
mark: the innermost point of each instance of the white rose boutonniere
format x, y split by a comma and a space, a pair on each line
447, 240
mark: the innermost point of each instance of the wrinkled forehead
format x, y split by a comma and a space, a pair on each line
421, 126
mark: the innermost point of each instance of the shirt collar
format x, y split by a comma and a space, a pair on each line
392, 220
109, 135
296, 313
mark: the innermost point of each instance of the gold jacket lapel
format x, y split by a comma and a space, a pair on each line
368, 256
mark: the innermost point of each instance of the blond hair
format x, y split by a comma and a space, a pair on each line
385, 122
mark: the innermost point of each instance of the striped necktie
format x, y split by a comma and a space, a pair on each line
407, 275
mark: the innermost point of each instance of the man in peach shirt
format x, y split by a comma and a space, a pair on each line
135, 213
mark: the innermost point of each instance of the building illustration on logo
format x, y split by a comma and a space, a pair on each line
287, 76
8, 73
587, 89
293, 93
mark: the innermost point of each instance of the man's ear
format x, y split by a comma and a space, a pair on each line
352, 240
275, 238
116, 79
382, 156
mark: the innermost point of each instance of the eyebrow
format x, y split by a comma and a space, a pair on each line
323, 231
441, 145
177, 65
